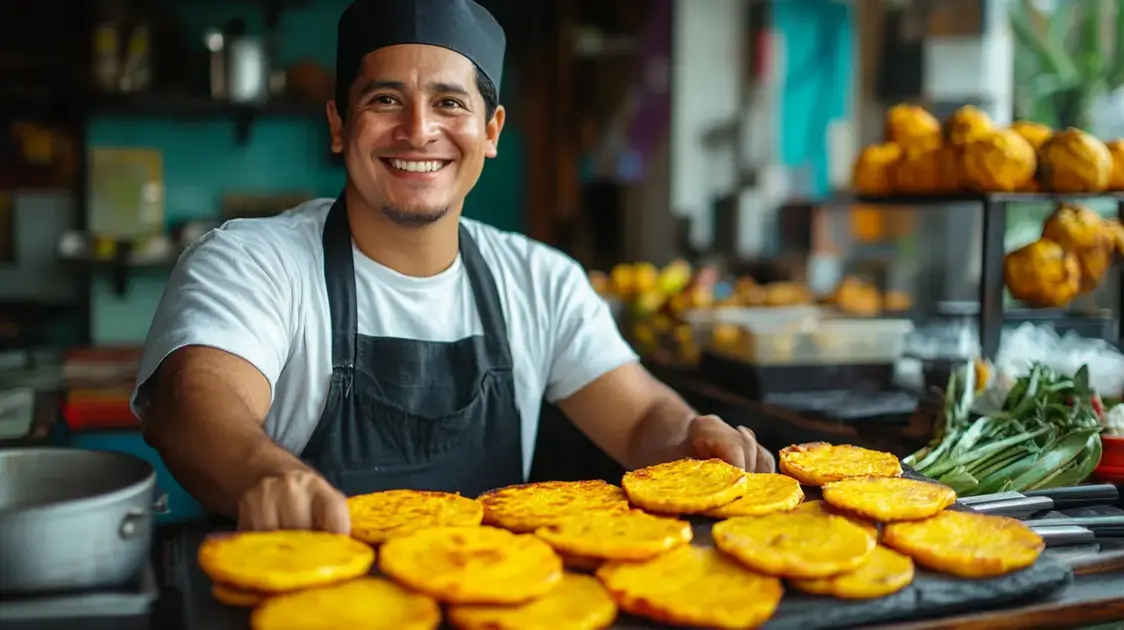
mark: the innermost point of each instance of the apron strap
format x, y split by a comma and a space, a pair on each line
488, 304
339, 278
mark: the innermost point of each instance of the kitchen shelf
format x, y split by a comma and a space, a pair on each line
925, 200
121, 268
174, 106
17, 307
41, 105
284, 4
994, 206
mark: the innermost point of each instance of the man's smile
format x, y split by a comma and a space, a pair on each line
415, 169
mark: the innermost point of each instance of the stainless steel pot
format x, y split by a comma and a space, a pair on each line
73, 519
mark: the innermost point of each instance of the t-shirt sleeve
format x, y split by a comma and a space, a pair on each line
226, 293
586, 343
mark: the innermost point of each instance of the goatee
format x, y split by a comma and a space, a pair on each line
413, 218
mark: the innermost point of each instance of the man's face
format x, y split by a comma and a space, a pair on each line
415, 137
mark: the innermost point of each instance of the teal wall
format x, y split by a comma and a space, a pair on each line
819, 71
202, 162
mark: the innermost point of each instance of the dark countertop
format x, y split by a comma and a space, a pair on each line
1095, 595
1090, 599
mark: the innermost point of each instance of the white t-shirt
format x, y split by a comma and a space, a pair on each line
255, 288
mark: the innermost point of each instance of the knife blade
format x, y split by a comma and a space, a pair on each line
1065, 535
1078, 496
1069, 554
1016, 507
1101, 526
993, 497
1049, 499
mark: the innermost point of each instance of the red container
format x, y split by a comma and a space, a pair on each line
99, 415
1114, 476
1113, 456
1111, 468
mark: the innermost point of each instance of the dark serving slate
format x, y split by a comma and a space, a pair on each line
930, 595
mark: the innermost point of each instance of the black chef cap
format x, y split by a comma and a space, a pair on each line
459, 25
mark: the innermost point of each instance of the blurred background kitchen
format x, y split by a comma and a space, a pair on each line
721, 167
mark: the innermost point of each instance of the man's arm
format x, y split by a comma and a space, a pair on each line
633, 417
597, 381
218, 343
205, 417
639, 421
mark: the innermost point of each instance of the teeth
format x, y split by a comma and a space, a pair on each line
422, 166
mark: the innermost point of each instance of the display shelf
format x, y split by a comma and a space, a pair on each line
190, 107
55, 88
994, 207
284, 4
121, 268
926, 200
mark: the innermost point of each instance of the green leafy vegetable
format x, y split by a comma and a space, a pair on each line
1046, 435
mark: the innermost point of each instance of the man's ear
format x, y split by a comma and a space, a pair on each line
492, 132
335, 124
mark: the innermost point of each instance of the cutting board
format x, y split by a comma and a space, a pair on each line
930, 595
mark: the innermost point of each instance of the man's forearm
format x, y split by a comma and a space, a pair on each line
217, 464
208, 428
662, 435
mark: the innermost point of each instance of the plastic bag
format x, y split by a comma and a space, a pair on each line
1030, 344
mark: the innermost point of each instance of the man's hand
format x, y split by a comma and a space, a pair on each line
711, 437
298, 499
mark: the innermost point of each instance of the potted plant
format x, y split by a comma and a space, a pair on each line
1066, 58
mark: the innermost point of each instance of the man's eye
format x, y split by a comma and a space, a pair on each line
383, 100
448, 102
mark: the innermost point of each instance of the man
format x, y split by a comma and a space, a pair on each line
379, 340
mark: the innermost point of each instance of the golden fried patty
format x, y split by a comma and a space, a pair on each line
764, 493
472, 565
527, 507
794, 544
381, 515
285, 560
817, 463
966, 544
367, 603
822, 508
888, 499
685, 486
233, 596
579, 602
632, 535
884, 572
693, 586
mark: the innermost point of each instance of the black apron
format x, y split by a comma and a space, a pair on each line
414, 414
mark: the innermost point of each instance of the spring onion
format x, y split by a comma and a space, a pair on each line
1046, 435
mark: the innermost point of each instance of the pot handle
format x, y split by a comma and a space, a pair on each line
131, 524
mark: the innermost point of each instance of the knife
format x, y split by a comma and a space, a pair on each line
1025, 503
1015, 507
1101, 526
1063, 536
1076, 552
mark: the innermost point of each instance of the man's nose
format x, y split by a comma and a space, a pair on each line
419, 127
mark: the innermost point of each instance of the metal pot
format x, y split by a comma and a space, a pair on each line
73, 519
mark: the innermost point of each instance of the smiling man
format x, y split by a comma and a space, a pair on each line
380, 340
